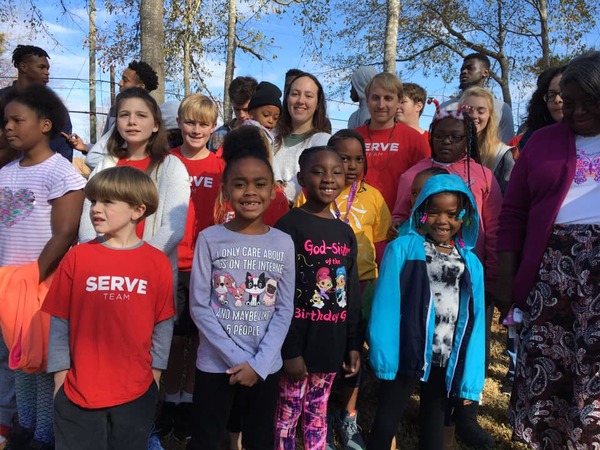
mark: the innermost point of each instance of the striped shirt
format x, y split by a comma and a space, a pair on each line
26, 195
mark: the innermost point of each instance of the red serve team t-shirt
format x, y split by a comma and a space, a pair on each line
112, 299
205, 182
390, 153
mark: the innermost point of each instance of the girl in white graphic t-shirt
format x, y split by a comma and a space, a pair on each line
41, 196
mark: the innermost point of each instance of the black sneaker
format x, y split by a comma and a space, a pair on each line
163, 426
182, 428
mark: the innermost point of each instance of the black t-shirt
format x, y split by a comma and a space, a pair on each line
326, 320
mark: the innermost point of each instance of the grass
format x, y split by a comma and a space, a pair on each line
492, 412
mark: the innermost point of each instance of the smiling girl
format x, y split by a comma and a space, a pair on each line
241, 300
453, 139
325, 332
139, 140
303, 123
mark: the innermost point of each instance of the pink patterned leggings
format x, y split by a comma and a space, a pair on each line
307, 398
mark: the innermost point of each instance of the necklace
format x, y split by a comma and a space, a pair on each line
351, 196
371, 157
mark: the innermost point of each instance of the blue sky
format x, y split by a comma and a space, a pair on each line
69, 64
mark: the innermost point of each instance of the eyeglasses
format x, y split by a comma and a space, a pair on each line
454, 138
550, 96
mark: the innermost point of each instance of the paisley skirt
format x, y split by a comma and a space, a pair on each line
555, 403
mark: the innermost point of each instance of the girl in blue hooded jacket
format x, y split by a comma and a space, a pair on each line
427, 321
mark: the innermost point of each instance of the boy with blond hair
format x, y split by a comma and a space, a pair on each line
197, 119
111, 307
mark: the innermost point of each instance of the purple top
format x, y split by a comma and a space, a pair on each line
242, 298
539, 183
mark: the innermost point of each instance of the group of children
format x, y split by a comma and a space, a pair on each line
272, 301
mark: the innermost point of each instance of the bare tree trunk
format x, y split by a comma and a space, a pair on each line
92, 67
230, 64
153, 39
543, 11
186, 67
112, 85
391, 36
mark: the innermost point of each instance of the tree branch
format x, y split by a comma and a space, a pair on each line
420, 52
247, 49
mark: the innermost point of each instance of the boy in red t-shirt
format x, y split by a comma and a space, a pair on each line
197, 119
112, 311
392, 147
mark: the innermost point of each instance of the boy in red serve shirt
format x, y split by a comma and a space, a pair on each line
111, 304
392, 147
197, 119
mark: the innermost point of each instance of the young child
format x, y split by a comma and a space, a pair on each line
235, 143
362, 207
42, 196
430, 326
196, 118
264, 109
453, 139
242, 289
139, 140
392, 147
111, 304
325, 332
415, 189
411, 107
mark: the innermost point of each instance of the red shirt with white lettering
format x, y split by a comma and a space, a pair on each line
205, 180
390, 153
112, 299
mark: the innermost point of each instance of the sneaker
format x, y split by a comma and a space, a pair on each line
182, 423
330, 444
350, 432
163, 426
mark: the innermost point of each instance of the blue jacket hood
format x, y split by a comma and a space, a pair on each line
448, 183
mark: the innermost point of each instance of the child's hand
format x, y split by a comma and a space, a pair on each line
156, 375
295, 368
59, 380
242, 374
75, 141
393, 231
353, 365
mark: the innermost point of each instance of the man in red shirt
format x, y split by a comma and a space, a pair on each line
392, 147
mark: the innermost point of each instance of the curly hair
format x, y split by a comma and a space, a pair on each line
320, 122
538, 115
157, 146
145, 73
23, 51
45, 103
